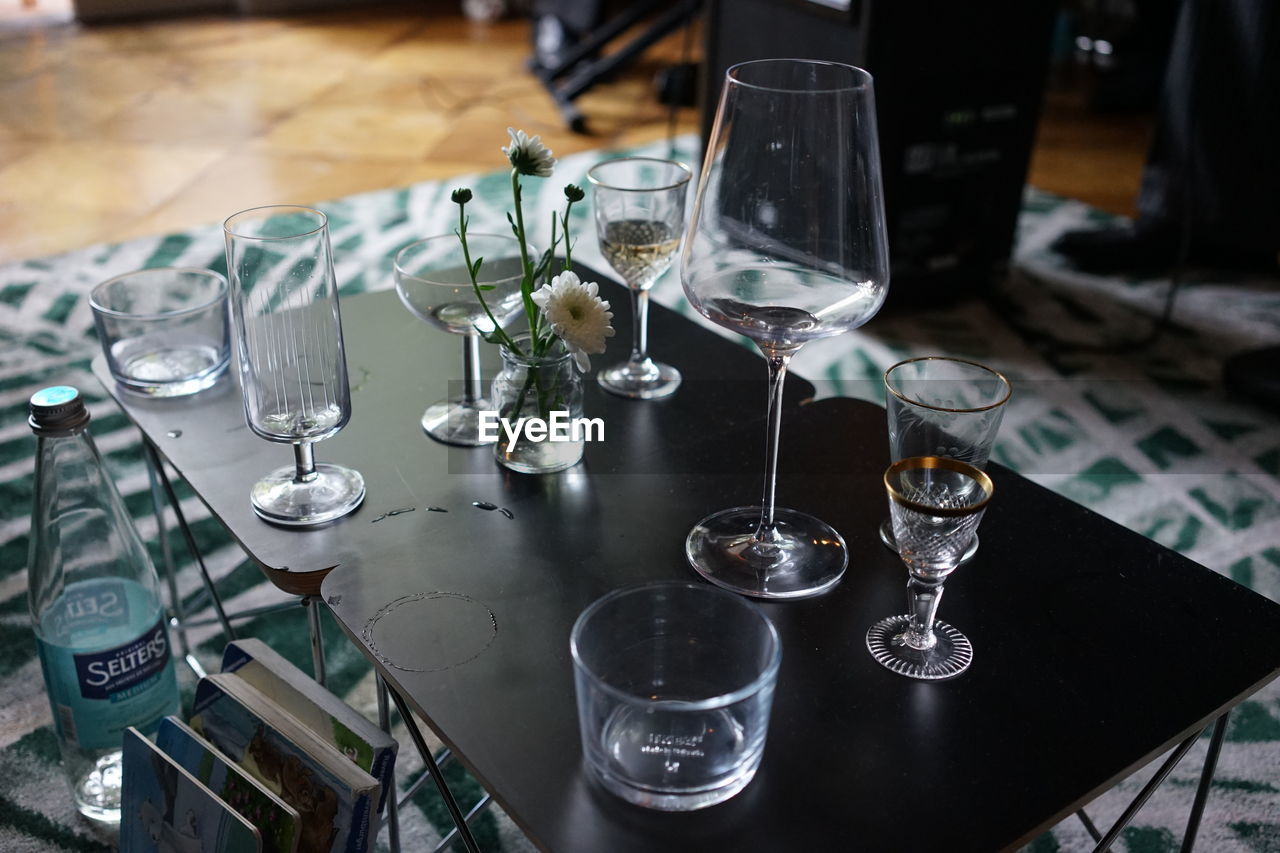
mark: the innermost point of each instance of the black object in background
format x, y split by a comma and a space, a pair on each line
958, 94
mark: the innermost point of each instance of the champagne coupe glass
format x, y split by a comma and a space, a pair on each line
433, 283
639, 205
292, 365
935, 504
941, 406
786, 244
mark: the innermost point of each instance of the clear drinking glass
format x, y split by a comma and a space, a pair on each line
433, 283
164, 330
292, 365
940, 406
935, 505
639, 206
675, 683
786, 244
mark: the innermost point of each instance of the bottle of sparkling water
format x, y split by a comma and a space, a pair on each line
95, 606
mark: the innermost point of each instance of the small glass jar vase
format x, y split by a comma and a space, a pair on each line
541, 427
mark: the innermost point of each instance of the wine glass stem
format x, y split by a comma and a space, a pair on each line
923, 598
304, 461
778, 362
470, 369
639, 325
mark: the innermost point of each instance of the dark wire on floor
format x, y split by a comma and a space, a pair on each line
673, 108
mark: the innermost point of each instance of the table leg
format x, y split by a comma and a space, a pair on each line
393, 796
312, 605
1206, 780
177, 618
153, 458
459, 820
1146, 792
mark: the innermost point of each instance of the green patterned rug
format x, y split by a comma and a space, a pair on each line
1146, 438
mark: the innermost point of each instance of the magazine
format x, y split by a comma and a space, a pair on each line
164, 809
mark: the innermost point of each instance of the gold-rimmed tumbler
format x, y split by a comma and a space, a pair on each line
943, 406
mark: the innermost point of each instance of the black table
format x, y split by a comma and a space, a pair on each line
1095, 649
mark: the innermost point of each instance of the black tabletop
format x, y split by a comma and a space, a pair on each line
1095, 650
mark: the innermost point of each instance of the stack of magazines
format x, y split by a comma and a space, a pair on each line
270, 761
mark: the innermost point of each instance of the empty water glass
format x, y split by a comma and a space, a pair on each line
164, 330
675, 683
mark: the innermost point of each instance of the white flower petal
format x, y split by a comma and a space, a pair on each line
528, 155
579, 317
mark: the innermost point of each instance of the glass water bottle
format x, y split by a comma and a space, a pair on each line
95, 606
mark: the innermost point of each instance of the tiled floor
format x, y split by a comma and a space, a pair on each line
115, 131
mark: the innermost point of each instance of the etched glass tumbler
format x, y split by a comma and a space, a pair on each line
674, 683
941, 406
293, 368
935, 505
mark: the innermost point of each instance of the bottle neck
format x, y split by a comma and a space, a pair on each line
80, 529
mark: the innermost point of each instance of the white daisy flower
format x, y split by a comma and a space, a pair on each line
528, 155
577, 315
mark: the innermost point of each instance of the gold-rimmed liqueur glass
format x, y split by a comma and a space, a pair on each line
786, 244
293, 367
639, 211
935, 505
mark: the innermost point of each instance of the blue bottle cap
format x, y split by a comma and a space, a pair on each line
57, 410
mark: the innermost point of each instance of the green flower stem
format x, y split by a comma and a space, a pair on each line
526, 285
568, 244
475, 284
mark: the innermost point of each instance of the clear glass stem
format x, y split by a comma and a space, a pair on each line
778, 361
304, 460
471, 369
639, 325
922, 600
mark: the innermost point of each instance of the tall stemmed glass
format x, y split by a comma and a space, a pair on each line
639, 205
786, 244
935, 504
293, 367
433, 282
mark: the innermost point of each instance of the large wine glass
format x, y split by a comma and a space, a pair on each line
786, 244
433, 282
639, 207
293, 368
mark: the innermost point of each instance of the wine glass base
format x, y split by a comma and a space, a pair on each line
456, 422
806, 556
948, 658
335, 492
644, 381
886, 536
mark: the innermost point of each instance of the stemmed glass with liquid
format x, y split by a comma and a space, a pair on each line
935, 504
786, 244
293, 366
639, 208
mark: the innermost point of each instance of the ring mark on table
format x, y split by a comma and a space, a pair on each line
430, 631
